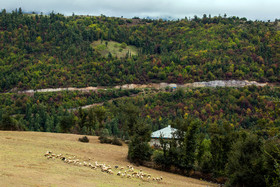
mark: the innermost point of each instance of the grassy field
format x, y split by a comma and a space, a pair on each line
22, 163
115, 48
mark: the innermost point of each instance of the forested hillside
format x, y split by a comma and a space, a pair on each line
224, 134
40, 51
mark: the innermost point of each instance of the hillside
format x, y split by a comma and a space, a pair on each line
215, 79
22, 163
51, 51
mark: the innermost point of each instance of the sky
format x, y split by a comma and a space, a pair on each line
251, 9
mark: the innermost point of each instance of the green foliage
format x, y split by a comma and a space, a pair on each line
67, 122
123, 45
84, 139
116, 141
245, 164
158, 157
190, 143
9, 123
56, 51
42, 51
271, 163
204, 156
128, 115
140, 134
105, 139
104, 133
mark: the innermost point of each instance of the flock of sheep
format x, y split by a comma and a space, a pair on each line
128, 172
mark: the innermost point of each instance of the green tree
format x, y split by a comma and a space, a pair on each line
9, 123
67, 122
245, 162
190, 143
204, 156
139, 149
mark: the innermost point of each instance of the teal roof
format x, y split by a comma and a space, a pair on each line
166, 132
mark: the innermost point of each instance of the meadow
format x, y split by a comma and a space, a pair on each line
22, 162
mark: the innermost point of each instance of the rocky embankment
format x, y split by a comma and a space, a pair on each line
216, 83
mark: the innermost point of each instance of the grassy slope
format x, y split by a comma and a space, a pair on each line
22, 162
114, 48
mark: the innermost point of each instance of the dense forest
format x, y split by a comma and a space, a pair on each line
41, 51
227, 135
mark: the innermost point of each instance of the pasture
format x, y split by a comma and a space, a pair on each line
22, 163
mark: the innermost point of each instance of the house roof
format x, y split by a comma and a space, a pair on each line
166, 132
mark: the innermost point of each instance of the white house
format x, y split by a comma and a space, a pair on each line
165, 133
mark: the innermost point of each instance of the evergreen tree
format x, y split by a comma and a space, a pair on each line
245, 164
139, 149
190, 143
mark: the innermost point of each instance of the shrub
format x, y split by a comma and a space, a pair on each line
105, 140
158, 157
108, 140
116, 141
84, 139
123, 45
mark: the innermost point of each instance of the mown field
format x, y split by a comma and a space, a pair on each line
22, 162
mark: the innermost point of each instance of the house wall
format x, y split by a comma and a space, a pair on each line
154, 142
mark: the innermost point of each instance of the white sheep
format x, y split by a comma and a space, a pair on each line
110, 171
47, 153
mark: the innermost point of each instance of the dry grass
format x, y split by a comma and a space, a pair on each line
22, 162
114, 48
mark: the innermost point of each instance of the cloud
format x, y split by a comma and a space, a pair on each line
252, 9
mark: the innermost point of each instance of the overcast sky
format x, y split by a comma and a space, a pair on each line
251, 9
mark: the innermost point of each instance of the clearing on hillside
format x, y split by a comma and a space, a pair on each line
115, 48
22, 163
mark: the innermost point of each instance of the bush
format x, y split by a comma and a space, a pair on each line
123, 45
116, 141
105, 140
84, 139
158, 157
108, 140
